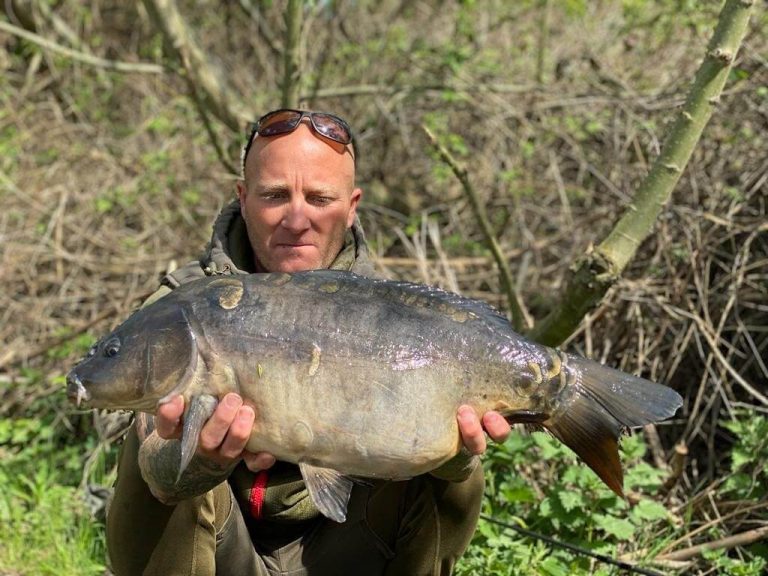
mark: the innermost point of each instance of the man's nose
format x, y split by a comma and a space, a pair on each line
295, 219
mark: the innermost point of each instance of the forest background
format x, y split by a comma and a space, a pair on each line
119, 143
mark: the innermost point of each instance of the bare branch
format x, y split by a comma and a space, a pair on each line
741, 539
389, 90
291, 56
60, 27
141, 67
543, 40
255, 15
212, 136
205, 78
505, 275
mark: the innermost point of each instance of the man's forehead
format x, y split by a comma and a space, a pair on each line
300, 149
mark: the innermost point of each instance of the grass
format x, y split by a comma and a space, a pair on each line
47, 528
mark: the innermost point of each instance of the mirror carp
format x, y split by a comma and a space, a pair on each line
352, 377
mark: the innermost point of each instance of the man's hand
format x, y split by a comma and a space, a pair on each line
223, 437
472, 431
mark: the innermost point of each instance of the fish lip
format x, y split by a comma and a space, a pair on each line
76, 392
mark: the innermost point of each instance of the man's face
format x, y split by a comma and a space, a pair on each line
297, 200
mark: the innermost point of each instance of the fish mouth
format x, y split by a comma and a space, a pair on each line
76, 392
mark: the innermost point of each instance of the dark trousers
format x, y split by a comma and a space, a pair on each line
412, 528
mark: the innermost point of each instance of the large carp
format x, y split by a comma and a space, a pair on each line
356, 377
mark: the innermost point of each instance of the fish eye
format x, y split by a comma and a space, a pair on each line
111, 348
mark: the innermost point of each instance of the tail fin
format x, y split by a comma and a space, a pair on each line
599, 404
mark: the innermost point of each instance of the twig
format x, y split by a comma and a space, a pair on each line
741, 539
505, 274
204, 77
711, 523
266, 34
59, 26
573, 548
390, 90
291, 57
677, 465
713, 344
46, 346
543, 40
212, 136
654, 443
140, 67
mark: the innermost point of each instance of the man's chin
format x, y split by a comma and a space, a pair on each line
296, 264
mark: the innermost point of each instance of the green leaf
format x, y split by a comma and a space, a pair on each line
552, 566
519, 494
740, 483
545, 507
643, 475
549, 447
633, 447
648, 510
619, 527
571, 499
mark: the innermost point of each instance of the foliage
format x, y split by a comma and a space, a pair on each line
538, 483
48, 528
749, 457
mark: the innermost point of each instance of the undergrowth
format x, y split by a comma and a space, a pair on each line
533, 482
47, 526
538, 484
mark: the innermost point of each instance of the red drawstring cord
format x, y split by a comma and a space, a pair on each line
258, 490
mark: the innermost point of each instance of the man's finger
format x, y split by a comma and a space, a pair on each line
215, 430
238, 433
496, 426
168, 418
472, 433
256, 461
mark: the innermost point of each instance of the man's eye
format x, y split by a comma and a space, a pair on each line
320, 200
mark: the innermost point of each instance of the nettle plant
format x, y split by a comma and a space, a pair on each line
537, 483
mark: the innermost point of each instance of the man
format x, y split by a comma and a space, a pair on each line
236, 512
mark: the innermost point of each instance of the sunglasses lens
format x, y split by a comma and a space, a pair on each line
332, 127
279, 123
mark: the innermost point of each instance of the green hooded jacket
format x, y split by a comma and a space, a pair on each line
285, 497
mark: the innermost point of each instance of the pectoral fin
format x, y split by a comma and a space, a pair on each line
196, 415
328, 489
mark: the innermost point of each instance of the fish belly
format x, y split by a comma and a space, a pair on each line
389, 424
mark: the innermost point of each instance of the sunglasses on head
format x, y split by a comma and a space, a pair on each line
286, 120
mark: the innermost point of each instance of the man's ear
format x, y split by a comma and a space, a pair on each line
357, 193
241, 192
